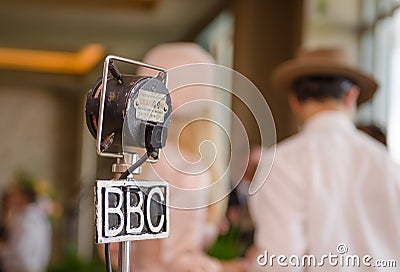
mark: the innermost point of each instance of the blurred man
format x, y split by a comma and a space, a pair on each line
27, 245
333, 191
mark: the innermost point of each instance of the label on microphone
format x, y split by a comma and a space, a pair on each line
128, 210
151, 106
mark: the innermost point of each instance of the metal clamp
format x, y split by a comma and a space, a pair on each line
107, 61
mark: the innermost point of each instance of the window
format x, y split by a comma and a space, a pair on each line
380, 55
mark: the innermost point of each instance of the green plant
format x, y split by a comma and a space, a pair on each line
72, 262
230, 245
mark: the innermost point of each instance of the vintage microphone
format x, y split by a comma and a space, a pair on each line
126, 111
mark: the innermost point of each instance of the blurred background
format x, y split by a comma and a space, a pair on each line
51, 52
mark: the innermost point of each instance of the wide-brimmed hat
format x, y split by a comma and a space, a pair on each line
176, 54
324, 61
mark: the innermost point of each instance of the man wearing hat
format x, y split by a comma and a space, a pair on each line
332, 199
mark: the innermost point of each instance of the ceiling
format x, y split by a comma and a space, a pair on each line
125, 27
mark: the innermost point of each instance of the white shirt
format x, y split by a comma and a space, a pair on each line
28, 247
330, 185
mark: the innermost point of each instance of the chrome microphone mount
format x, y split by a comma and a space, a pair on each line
125, 111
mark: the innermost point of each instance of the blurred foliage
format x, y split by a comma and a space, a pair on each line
230, 245
28, 182
72, 262
43, 192
323, 7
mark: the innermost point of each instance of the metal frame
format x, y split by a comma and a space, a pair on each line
103, 97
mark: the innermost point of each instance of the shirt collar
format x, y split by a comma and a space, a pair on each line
328, 120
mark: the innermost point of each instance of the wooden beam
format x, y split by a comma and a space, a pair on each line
116, 4
74, 63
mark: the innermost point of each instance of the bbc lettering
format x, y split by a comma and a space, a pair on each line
131, 210
137, 210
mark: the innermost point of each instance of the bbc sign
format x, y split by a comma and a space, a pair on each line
128, 210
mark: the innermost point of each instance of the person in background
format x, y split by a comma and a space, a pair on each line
332, 189
26, 243
180, 165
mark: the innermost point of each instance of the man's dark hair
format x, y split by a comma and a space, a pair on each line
321, 87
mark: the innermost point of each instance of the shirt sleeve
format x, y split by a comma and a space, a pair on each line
278, 212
